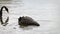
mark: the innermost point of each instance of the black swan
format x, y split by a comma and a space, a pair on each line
1, 15
27, 21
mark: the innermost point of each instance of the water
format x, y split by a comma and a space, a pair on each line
45, 12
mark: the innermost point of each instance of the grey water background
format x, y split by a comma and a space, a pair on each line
45, 12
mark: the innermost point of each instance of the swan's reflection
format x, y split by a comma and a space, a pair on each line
3, 23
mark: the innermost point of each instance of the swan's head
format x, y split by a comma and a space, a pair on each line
5, 8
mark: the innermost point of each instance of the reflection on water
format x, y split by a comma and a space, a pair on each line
44, 12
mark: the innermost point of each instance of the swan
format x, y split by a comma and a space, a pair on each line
1, 15
27, 21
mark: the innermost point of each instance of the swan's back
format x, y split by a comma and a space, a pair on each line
27, 21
